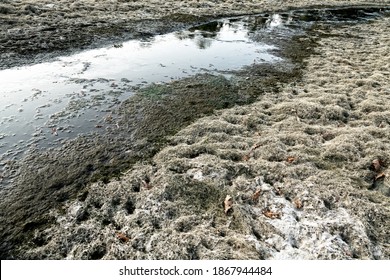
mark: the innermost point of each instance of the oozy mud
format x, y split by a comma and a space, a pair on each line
135, 130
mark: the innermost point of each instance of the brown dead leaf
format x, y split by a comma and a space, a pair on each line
271, 214
376, 165
256, 195
298, 203
291, 159
122, 237
228, 205
380, 176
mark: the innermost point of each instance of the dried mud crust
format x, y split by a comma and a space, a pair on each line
41, 29
303, 165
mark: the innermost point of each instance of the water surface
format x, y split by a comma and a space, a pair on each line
45, 103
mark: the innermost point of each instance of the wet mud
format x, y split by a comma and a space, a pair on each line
49, 180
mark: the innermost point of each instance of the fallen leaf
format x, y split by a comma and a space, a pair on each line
376, 165
122, 237
228, 205
298, 203
380, 176
270, 214
256, 195
291, 159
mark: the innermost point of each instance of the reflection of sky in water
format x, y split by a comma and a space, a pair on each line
275, 21
74, 92
175, 54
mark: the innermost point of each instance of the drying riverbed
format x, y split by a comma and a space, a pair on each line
306, 145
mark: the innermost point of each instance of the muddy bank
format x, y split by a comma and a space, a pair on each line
32, 31
301, 145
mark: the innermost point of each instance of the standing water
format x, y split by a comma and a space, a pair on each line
45, 103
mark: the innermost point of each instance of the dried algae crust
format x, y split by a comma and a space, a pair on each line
307, 150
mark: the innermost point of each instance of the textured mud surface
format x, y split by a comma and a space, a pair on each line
306, 165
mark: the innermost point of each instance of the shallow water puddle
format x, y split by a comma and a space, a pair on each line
74, 94
48, 103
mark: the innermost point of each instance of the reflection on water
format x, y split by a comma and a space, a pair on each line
49, 102
275, 21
